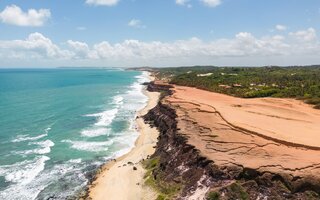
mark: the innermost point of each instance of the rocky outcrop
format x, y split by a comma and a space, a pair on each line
164, 89
199, 177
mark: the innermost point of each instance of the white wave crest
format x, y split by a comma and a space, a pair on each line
136, 99
45, 148
118, 100
89, 146
31, 190
104, 118
21, 138
144, 77
23, 172
95, 132
77, 161
47, 130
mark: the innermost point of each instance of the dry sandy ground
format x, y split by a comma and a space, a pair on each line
118, 180
268, 134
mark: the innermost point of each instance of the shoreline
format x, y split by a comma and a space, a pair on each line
188, 111
122, 178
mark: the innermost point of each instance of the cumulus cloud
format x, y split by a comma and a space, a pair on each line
211, 3
103, 2
14, 15
136, 23
305, 35
280, 27
34, 46
243, 49
79, 49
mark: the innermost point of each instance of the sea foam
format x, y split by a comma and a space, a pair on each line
31, 179
45, 148
21, 138
104, 118
118, 100
89, 146
23, 172
95, 132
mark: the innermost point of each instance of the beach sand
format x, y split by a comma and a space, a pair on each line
118, 180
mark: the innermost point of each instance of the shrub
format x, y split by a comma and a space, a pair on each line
213, 196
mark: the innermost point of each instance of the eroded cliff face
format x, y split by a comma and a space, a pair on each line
197, 177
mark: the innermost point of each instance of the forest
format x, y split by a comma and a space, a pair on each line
300, 82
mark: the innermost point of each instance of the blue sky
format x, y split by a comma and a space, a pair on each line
179, 32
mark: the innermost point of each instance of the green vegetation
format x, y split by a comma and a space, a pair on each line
251, 82
233, 191
160, 197
213, 196
238, 191
312, 195
166, 191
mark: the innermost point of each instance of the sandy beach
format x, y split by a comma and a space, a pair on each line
123, 179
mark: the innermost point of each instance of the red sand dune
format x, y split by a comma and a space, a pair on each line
268, 134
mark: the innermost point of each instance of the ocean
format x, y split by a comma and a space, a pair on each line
57, 126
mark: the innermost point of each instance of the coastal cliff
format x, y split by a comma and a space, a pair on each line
178, 170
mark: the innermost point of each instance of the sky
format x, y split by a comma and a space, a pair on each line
159, 33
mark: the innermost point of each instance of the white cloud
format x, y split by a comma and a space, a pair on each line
184, 3
103, 2
280, 27
301, 47
305, 35
34, 46
14, 15
81, 50
136, 23
212, 3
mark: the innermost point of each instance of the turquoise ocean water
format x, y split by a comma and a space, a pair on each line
58, 125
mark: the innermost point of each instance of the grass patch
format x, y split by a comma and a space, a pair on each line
160, 197
238, 192
213, 196
151, 163
166, 191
